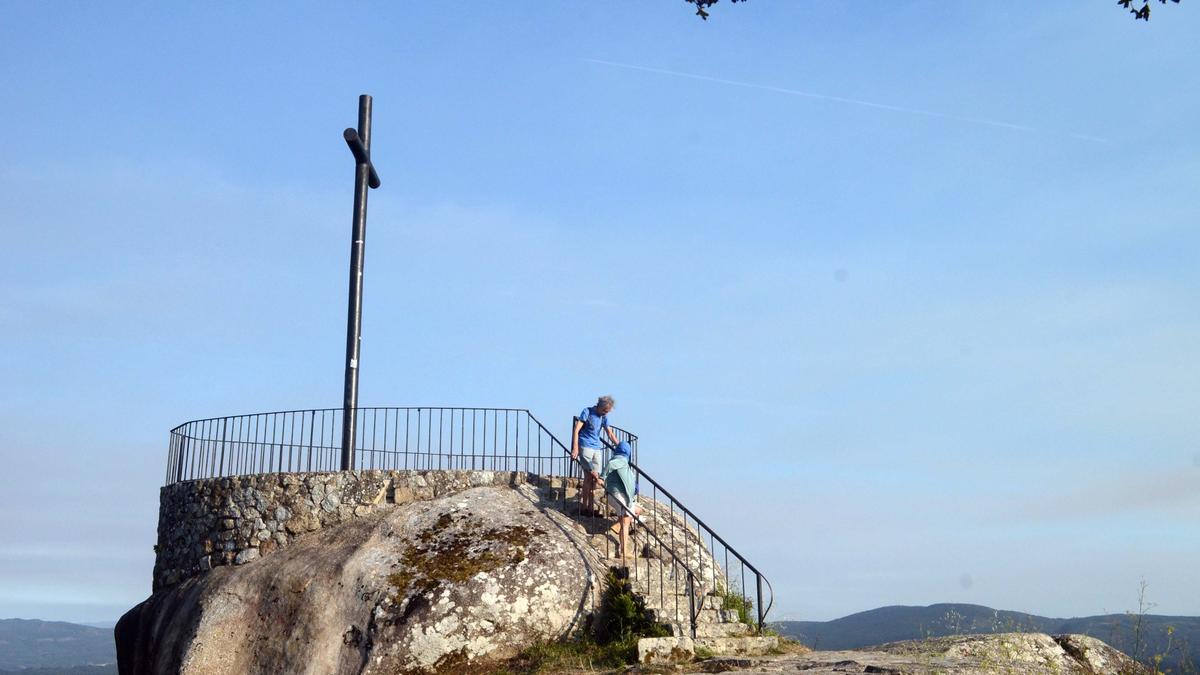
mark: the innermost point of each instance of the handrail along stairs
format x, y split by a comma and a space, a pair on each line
703, 528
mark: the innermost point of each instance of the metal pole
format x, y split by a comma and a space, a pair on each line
364, 176
758, 578
691, 586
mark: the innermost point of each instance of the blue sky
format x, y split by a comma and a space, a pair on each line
903, 299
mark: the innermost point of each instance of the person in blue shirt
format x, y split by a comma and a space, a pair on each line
589, 450
620, 490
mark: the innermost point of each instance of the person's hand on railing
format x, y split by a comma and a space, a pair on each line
576, 425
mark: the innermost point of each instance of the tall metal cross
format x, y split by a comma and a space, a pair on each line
364, 175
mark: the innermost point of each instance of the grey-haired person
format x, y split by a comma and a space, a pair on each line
587, 447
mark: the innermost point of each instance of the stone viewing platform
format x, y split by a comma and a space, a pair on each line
458, 539
414, 571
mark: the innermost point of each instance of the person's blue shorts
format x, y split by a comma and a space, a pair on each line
591, 459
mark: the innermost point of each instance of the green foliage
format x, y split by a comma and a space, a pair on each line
623, 617
1175, 650
621, 620
579, 654
741, 604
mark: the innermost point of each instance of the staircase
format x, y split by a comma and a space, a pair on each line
660, 575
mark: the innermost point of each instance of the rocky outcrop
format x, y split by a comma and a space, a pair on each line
427, 586
994, 654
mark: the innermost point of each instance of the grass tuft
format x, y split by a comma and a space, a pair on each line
621, 621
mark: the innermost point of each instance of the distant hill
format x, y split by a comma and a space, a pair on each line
891, 624
111, 669
28, 643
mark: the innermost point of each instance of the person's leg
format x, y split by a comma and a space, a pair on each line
583, 484
588, 458
625, 520
596, 484
614, 507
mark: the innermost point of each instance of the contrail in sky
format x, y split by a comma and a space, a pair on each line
836, 99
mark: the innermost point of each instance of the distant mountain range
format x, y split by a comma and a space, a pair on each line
111, 669
1179, 646
54, 647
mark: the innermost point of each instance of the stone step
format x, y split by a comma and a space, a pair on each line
667, 597
710, 629
666, 650
650, 571
721, 615
679, 616
670, 617
738, 646
609, 548
663, 585
636, 546
653, 579
668, 614
722, 630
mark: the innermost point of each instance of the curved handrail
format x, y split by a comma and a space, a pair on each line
693, 589
426, 437
763, 611
760, 578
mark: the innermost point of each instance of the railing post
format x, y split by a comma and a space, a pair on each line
758, 582
692, 602
312, 423
183, 448
221, 465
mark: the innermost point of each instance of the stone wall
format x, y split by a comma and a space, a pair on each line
229, 521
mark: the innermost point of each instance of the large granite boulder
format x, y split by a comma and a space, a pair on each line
428, 586
992, 654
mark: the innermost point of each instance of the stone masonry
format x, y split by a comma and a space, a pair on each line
203, 524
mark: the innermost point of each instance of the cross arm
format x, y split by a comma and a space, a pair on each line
361, 155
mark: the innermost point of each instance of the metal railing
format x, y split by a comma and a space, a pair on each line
684, 580
405, 438
722, 579
731, 578
483, 439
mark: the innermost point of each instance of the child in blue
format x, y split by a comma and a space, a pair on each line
587, 447
621, 492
